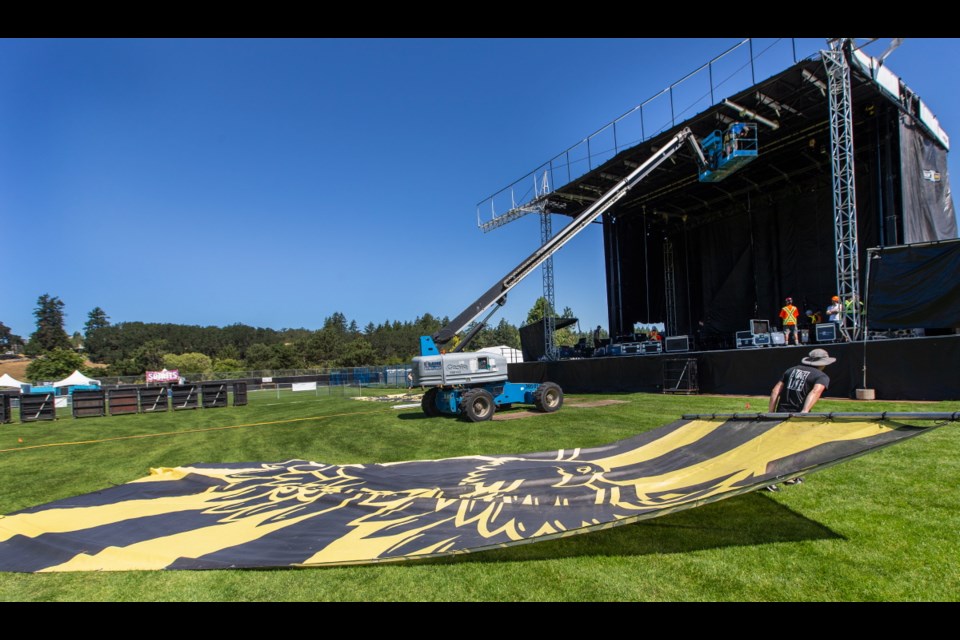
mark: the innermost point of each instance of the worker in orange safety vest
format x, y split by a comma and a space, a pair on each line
790, 315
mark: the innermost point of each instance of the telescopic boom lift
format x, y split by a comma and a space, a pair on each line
474, 385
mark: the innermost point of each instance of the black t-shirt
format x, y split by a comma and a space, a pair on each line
798, 381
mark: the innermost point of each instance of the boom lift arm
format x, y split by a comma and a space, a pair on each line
498, 292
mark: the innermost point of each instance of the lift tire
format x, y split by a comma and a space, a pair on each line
548, 397
477, 405
429, 403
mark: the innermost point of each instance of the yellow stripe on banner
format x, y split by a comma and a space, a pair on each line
749, 460
681, 437
79, 518
159, 553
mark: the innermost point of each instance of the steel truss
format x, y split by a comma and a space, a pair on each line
844, 187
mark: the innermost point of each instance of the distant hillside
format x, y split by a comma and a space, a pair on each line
18, 368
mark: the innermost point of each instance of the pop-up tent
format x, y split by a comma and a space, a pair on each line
75, 379
6, 380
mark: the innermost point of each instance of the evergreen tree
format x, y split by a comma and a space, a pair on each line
357, 353
259, 357
50, 334
506, 334
149, 357
96, 319
8, 340
540, 310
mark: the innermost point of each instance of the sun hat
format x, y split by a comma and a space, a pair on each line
818, 358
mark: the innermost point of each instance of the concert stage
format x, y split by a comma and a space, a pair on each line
920, 368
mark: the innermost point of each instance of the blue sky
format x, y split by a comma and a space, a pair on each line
273, 182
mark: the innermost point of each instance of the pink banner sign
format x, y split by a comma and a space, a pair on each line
163, 376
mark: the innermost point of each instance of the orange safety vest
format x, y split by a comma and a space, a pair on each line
789, 314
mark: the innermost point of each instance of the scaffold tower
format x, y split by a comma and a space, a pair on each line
549, 319
844, 191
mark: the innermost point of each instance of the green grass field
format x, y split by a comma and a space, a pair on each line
881, 528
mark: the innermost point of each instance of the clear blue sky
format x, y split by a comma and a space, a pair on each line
275, 182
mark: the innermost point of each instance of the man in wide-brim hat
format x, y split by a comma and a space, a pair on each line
799, 389
801, 386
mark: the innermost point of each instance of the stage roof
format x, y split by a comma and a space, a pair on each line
792, 151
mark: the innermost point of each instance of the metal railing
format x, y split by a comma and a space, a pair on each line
733, 70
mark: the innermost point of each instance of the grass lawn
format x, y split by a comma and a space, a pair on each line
880, 528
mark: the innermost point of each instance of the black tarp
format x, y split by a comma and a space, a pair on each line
928, 212
914, 287
298, 513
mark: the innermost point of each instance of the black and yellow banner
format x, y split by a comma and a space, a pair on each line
302, 513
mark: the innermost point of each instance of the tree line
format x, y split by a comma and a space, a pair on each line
132, 348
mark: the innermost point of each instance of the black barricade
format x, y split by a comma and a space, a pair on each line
154, 399
123, 400
5, 415
184, 396
37, 406
239, 394
89, 403
214, 395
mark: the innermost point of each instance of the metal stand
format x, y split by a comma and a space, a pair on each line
680, 376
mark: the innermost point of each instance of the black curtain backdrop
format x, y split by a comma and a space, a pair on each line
928, 212
915, 287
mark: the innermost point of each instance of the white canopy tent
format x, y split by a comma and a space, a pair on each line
6, 380
76, 378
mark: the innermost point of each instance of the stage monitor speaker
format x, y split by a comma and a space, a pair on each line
827, 332
677, 343
759, 326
